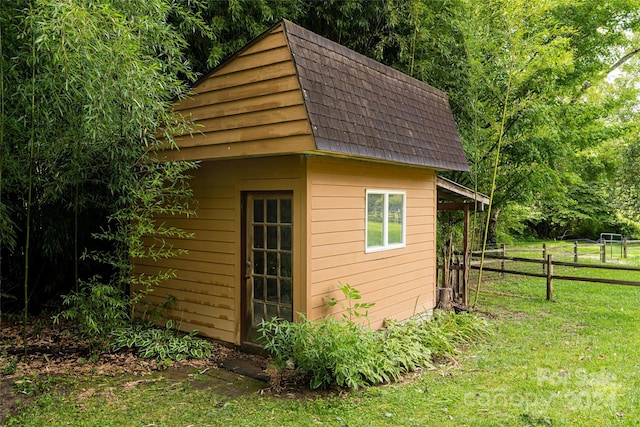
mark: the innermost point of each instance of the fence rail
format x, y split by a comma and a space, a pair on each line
548, 267
577, 249
454, 275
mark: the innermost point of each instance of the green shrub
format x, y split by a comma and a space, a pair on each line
326, 352
442, 334
338, 352
97, 309
402, 344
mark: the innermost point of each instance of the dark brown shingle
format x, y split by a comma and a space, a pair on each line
360, 107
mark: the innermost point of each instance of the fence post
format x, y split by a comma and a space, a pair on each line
460, 290
603, 252
575, 252
544, 257
624, 247
466, 259
504, 253
549, 277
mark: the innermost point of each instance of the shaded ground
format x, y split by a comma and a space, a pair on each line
55, 356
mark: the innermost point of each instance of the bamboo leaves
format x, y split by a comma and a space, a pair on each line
87, 87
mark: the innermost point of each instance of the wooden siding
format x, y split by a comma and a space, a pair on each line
329, 241
208, 286
250, 106
399, 281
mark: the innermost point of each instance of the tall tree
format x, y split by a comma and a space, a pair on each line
232, 24
557, 53
103, 77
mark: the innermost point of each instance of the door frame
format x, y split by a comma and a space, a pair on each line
245, 306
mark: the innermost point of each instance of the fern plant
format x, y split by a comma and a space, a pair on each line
341, 352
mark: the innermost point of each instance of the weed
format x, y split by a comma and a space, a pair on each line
25, 386
353, 309
10, 365
34, 385
533, 421
164, 363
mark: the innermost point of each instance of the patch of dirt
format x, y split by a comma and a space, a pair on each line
55, 353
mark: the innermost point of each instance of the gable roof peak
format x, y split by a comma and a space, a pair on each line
290, 90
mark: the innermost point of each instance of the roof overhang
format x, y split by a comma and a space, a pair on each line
456, 197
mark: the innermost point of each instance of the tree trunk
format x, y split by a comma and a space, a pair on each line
444, 298
492, 235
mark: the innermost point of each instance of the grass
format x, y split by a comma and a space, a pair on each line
569, 362
563, 251
587, 252
374, 233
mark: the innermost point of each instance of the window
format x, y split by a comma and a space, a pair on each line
385, 226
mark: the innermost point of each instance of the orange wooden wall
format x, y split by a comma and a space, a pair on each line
250, 106
401, 281
247, 110
329, 241
209, 277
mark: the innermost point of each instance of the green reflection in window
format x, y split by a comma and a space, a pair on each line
375, 216
395, 216
385, 220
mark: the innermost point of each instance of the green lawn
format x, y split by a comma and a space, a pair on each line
374, 233
563, 252
569, 362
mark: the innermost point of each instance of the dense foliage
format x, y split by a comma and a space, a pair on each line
556, 82
86, 91
164, 345
546, 90
340, 352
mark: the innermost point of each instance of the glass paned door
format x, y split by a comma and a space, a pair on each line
269, 291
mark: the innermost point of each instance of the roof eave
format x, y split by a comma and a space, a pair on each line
459, 197
433, 167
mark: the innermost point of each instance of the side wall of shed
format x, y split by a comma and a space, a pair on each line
208, 286
401, 282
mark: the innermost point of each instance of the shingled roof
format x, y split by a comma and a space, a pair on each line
360, 107
292, 91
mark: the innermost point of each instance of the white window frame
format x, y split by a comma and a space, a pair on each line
385, 221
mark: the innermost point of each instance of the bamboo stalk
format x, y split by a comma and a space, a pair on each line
1, 147
29, 191
493, 183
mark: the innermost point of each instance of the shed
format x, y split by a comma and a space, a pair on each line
318, 168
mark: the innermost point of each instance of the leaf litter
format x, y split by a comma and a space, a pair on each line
55, 353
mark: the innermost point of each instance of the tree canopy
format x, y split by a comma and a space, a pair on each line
548, 88
86, 93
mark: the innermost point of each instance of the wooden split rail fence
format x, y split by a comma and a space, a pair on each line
588, 250
548, 263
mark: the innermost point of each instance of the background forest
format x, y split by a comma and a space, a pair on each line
545, 93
